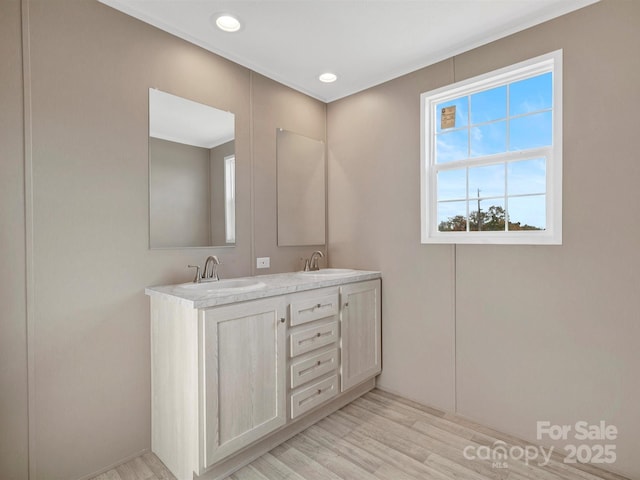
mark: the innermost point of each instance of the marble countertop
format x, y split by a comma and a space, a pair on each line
277, 284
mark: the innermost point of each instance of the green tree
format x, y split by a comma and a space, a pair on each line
454, 224
491, 220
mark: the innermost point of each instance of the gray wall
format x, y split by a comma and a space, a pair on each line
13, 331
91, 68
508, 335
179, 195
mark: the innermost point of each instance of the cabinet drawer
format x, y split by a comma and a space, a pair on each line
311, 338
315, 308
306, 370
313, 396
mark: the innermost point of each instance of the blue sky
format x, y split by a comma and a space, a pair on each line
481, 129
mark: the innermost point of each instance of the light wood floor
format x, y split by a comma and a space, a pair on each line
382, 437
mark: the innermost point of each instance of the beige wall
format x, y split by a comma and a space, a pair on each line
374, 223
91, 68
276, 106
524, 333
13, 333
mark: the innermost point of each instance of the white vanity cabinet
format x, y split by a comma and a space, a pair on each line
243, 375
234, 376
314, 350
361, 330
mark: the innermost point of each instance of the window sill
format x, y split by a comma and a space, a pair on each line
481, 238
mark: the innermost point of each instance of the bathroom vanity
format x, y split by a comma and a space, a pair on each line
239, 366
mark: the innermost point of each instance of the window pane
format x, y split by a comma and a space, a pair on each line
462, 112
531, 95
489, 105
452, 216
489, 139
452, 146
491, 217
527, 213
452, 184
530, 131
527, 176
488, 180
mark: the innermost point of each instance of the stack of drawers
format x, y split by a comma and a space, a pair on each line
313, 351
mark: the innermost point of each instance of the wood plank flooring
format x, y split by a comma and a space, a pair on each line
382, 436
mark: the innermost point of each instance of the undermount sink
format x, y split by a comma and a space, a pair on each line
224, 286
329, 272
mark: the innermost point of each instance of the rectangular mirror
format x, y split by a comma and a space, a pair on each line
191, 173
301, 189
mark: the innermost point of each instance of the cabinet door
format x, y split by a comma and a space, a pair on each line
243, 375
361, 328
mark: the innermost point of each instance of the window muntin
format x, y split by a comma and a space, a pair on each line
492, 168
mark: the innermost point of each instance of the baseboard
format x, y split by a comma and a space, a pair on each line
405, 396
115, 464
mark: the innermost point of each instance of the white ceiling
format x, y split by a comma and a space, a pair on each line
364, 42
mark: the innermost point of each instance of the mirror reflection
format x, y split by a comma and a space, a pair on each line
191, 173
301, 189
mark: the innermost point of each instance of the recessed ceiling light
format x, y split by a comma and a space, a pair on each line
328, 77
227, 23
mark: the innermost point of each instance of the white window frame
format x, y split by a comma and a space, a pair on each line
552, 235
230, 198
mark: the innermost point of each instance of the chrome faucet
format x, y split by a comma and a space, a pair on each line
209, 272
311, 264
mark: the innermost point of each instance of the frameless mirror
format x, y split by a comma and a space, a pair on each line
301, 189
191, 173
